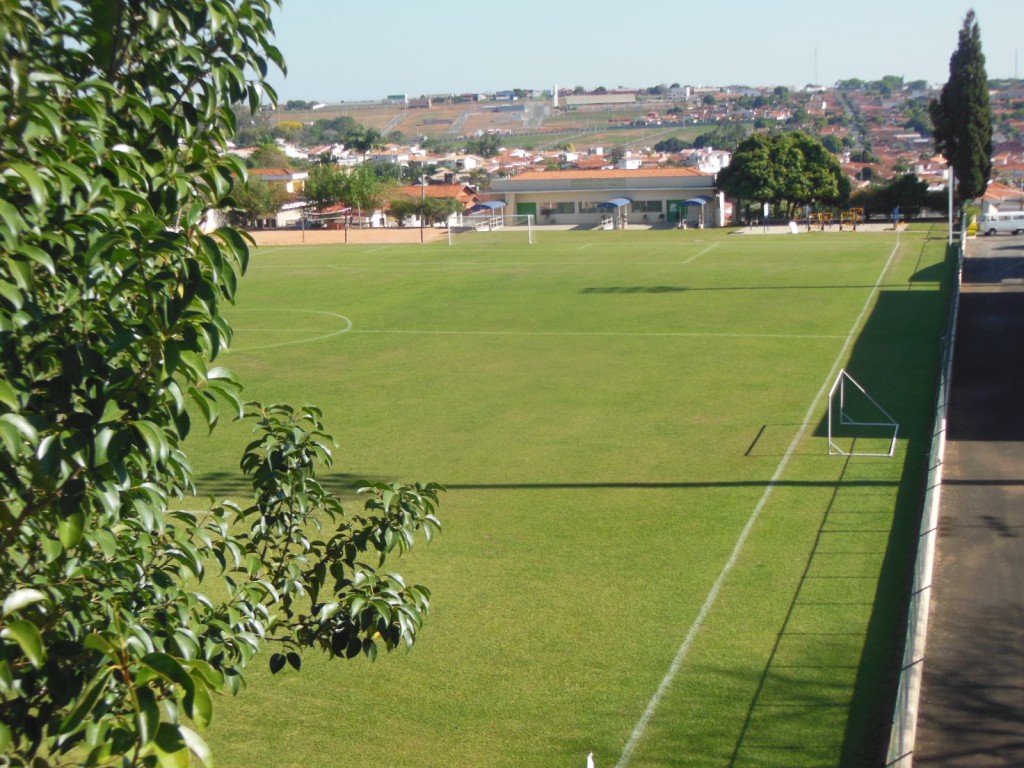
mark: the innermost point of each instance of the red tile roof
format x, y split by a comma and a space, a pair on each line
643, 173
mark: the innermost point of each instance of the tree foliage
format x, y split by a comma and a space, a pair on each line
794, 169
254, 199
962, 116
486, 145
907, 192
111, 290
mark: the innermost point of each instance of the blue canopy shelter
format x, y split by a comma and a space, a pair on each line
701, 201
490, 206
619, 209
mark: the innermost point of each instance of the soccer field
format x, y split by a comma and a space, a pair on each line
648, 552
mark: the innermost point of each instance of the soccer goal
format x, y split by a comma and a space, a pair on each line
514, 228
857, 424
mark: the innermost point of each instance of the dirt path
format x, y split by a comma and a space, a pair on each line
354, 236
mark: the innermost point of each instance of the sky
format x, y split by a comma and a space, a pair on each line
348, 51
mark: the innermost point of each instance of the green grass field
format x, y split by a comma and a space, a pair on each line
647, 551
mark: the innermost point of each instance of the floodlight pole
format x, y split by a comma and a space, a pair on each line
951, 178
423, 201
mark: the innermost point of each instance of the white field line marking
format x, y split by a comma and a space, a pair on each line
699, 254
482, 264
709, 601
694, 334
347, 327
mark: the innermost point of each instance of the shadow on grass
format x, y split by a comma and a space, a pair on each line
860, 545
681, 485
237, 487
628, 289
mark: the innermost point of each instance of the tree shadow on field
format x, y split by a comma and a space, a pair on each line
933, 273
628, 289
238, 488
896, 359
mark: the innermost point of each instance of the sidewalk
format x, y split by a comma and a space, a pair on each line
972, 701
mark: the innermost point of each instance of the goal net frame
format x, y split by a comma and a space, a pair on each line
837, 397
494, 222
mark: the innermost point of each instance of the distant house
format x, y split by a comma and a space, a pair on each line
292, 182
464, 193
679, 196
1002, 197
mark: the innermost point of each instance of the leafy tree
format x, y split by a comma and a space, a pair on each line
329, 131
487, 145
363, 140
853, 84
253, 129
672, 144
723, 137
437, 210
325, 185
791, 168
270, 156
364, 190
403, 208
906, 192
750, 176
833, 144
111, 293
962, 116
254, 199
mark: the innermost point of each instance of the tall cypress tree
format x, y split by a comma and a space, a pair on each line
962, 116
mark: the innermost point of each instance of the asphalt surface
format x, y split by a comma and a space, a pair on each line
972, 702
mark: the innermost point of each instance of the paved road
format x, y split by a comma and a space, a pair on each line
972, 704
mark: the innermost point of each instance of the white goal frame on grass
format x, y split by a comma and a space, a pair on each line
494, 222
836, 406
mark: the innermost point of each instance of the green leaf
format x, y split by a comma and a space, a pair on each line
27, 636
21, 598
154, 438
171, 750
196, 745
202, 708
34, 181
71, 528
5, 738
295, 660
147, 717
7, 394
26, 430
86, 702
277, 662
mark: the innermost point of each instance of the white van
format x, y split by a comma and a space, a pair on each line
1008, 221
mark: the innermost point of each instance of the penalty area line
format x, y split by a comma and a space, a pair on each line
652, 706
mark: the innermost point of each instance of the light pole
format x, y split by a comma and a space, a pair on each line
423, 201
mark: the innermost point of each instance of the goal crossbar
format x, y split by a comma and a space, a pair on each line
838, 415
495, 222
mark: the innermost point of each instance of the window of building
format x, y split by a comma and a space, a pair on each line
589, 206
647, 206
550, 209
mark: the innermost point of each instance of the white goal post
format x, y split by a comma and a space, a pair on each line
853, 415
494, 222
